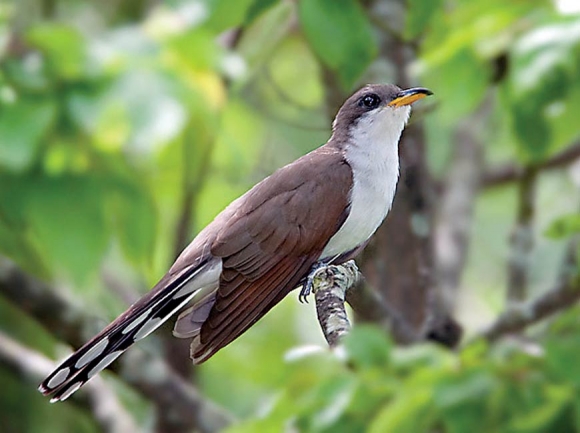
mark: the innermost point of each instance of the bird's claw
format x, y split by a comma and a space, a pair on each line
308, 285
305, 291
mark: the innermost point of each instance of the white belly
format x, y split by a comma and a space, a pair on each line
371, 199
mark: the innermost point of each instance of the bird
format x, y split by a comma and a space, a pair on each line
319, 210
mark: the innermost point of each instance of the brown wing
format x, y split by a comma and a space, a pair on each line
277, 233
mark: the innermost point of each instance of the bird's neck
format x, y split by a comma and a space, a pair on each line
372, 150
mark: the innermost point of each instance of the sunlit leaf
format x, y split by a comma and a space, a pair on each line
139, 111
225, 14
263, 35
564, 226
64, 47
340, 35
195, 49
298, 83
257, 8
562, 116
544, 70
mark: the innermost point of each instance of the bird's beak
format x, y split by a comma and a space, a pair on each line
407, 97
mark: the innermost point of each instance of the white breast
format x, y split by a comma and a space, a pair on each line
374, 158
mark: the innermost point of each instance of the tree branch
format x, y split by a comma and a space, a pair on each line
147, 373
522, 239
512, 172
330, 286
98, 399
565, 293
333, 284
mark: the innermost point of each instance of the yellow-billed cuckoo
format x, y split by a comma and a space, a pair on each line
320, 209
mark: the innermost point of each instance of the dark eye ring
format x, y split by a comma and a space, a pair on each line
370, 101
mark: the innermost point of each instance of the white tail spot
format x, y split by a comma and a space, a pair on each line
70, 391
136, 322
93, 352
148, 328
104, 362
59, 378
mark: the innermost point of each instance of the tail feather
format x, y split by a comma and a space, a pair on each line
190, 321
144, 317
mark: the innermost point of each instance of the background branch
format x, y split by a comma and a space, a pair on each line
144, 371
507, 173
98, 398
565, 293
522, 238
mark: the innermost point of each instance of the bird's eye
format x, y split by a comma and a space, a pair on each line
370, 101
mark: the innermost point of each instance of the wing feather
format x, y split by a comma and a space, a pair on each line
275, 236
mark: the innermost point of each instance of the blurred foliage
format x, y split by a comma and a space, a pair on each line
111, 113
376, 387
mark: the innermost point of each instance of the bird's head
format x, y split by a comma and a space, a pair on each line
380, 107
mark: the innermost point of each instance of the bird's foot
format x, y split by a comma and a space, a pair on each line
309, 283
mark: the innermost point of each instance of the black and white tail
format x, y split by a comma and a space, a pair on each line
171, 294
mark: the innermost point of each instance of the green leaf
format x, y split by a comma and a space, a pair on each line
263, 35
534, 137
299, 82
124, 114
225, 14
544, 66
472, 386
562, 116
196, 48
564, 226
558, 353
27, 76
408, 413
333, 398
14, 244
419, 14
368, 347
67, 223
547, 416
545, 60
459, 83
64, 48
134, 220
340, 35
22, 127
258, 8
